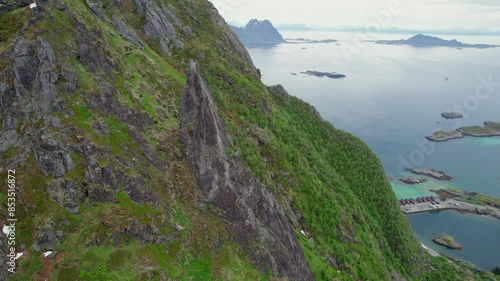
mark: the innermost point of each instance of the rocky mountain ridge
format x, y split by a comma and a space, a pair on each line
114, 136
258, 32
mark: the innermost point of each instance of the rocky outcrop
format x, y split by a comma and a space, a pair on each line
126, 32
53, 158
257, 219
90, 52
67, 194
46, 240
35, 76
158, 25
229, 39
9, 5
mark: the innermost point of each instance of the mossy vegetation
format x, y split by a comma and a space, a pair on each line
488, 129
447, 241
445, 135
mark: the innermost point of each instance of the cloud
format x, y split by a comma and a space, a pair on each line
434, 14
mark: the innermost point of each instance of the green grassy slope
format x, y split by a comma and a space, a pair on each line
332, 185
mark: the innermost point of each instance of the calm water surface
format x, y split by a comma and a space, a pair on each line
392, 98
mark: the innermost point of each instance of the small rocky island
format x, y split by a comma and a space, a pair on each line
309, 41
332, 75
435, 174
452, 115
412, 181
445, 135
490, 129
448, 242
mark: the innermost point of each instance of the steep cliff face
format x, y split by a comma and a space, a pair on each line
133, 164
253, 211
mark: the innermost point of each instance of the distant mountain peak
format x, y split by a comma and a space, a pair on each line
259, 32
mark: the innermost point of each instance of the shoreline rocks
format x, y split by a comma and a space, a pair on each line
448, 242
435, 174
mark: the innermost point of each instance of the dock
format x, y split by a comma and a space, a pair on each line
450, 204
426, 207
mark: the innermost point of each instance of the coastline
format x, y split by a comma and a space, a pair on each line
486, 135
432, 138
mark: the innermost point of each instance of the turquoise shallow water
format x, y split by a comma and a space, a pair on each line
468, 230
392, 98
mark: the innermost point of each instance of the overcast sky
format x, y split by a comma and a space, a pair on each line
415, 14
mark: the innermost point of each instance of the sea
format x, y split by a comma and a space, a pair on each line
391, 98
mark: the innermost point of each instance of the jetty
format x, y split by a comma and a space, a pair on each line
414, 207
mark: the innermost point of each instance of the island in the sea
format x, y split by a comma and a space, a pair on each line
448, 242
435, 174
490, 129
332, 75
411, 181
421, 40
452, 115
309, 41
258, 32
445, 136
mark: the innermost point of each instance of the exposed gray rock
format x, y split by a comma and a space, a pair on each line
279, 92
90, 52
256, 217
149, 153
35, 77
46, 240
10, 5
159, 27
67, 194
48, 77
96, 7
68, 81
101, 128
53, 158
126, 32
8, 139
60, 5
259, 32
143, 233
136, 188
260, 134
107, 101
102, 184
229, 39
